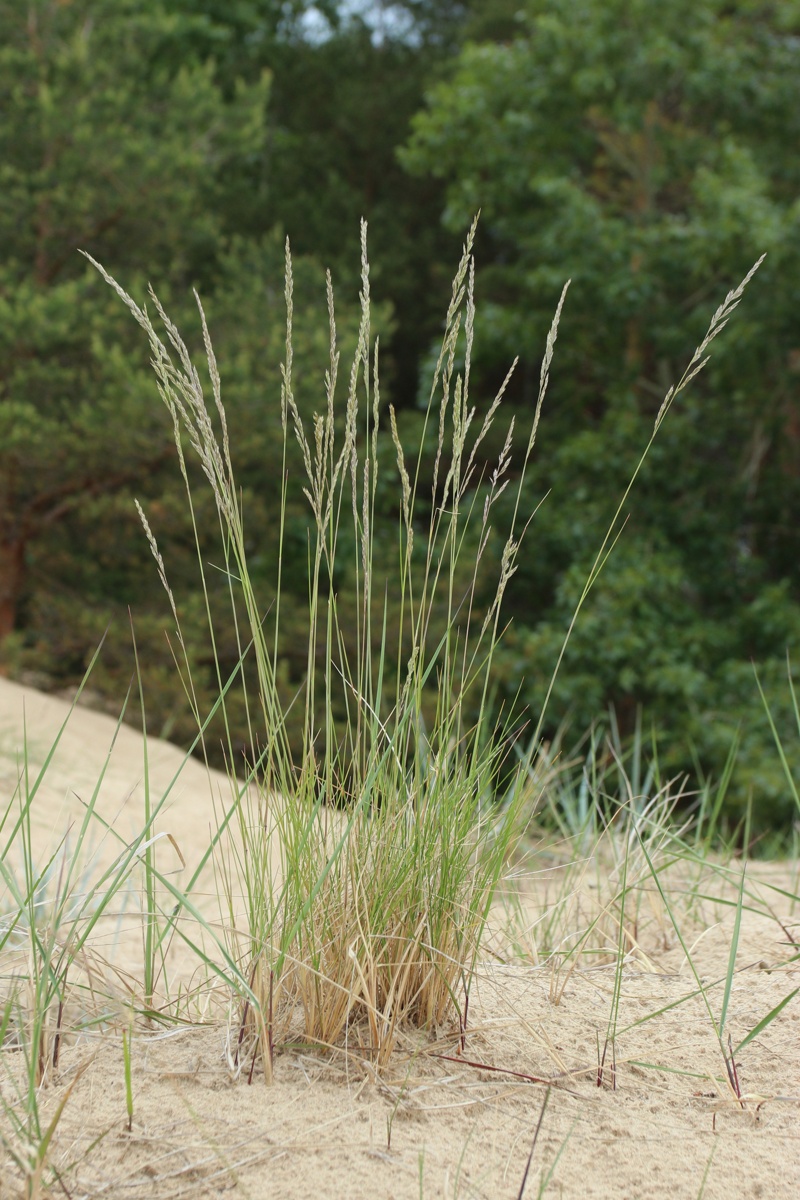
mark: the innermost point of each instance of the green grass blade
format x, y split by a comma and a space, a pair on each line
737, 925
704, 1180
767, 1020
701, 987
787, 770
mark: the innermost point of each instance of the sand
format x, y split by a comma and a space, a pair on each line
436, 1124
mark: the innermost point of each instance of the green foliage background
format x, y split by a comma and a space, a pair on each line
649, 152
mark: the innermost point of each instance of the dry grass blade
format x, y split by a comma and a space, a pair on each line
542, 1111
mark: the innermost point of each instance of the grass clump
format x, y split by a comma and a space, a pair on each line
368, 860
358, 871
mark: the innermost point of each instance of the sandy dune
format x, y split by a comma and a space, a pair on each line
31, 718
432, 1127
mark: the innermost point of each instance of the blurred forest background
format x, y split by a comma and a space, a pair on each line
651, 152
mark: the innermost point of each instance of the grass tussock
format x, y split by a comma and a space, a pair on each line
389, 838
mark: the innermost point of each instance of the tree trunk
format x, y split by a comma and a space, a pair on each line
12, 576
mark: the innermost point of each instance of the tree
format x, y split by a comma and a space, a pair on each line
102, 149
641, 151
136, 131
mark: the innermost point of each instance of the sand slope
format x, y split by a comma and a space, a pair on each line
31, 718
456, 1130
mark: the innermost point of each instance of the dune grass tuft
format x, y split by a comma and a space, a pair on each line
368, 861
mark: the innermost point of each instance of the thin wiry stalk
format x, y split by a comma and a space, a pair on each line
696, 364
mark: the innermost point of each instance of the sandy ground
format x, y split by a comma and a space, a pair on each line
93, 745
432, 1126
